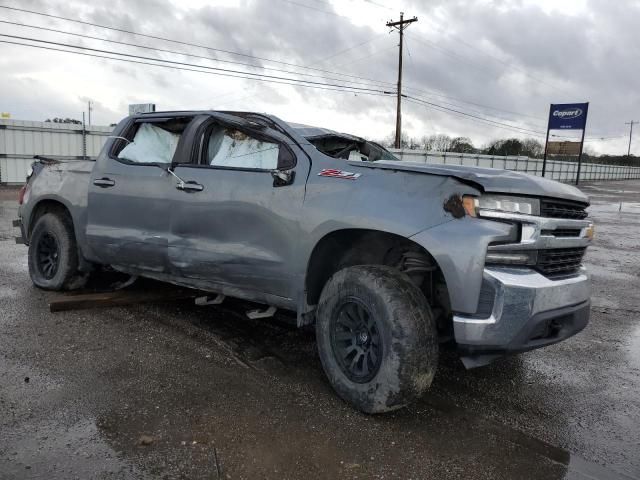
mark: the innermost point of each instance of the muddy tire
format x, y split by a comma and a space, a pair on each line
377, 339
53, 254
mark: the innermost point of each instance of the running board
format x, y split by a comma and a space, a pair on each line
255, 314
207, 300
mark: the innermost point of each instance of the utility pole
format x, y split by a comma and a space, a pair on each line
89, 108
400, 26
84, 139
631, 123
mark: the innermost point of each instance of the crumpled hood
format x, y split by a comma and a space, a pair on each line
489, 179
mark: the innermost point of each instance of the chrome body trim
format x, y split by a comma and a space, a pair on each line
532, 228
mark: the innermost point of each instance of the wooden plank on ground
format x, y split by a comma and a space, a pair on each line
117, 298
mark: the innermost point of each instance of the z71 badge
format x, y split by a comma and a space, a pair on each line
332, 172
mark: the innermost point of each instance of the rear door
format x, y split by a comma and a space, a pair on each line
128, 204
237, 226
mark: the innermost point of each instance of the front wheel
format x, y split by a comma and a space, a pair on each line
377, 339
53, 255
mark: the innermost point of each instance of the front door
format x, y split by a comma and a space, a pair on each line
237, 226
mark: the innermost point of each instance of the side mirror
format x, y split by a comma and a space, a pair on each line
282, 178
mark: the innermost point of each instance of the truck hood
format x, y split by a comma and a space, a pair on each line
488, 179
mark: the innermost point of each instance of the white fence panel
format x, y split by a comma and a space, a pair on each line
21, 140
561, 171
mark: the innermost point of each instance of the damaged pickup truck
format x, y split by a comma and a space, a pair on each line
389, 259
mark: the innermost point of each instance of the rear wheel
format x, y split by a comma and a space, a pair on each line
377, 339
53, 254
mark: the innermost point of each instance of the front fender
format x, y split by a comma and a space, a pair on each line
459, 246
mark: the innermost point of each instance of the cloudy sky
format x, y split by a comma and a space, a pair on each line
499, 60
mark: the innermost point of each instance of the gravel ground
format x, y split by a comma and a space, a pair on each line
178, 391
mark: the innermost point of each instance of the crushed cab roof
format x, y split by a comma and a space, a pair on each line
308, 131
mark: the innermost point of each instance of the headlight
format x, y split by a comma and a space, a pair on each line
501, 203
29, 172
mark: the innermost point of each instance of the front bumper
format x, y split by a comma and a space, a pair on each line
526, 310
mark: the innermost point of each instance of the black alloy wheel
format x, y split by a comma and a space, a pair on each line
48, 254
377, 338
53, 253
356, 342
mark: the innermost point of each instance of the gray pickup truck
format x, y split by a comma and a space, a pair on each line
389, 259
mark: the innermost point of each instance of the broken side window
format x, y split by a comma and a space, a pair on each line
151, 144
351, 148
228, 147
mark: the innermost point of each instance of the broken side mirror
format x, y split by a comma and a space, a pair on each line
282, 178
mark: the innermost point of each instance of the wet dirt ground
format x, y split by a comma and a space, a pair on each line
179, 391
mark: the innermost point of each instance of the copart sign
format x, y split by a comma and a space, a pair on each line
568, 116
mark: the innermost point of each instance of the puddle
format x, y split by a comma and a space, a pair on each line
55, 450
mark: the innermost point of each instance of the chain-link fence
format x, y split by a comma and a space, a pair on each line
560, 170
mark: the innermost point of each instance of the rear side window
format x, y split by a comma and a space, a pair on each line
151, 144
229, 147
150, 141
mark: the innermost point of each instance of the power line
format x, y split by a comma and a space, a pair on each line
372, 54
252, 65
175, 52
179, 42
240, 74
489, 107
325, 2
294, 82
173, 62
590, 139
475, 117
472, 115
155, 37
225, 72
313, 8
379, 5
233, 73
466, 61
427, 94
489, 121
341, 52
258, 77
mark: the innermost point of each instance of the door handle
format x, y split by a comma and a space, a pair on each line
104, 182
190, 186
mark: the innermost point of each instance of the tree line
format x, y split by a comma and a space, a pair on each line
529, 147
440, 142
64, 120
